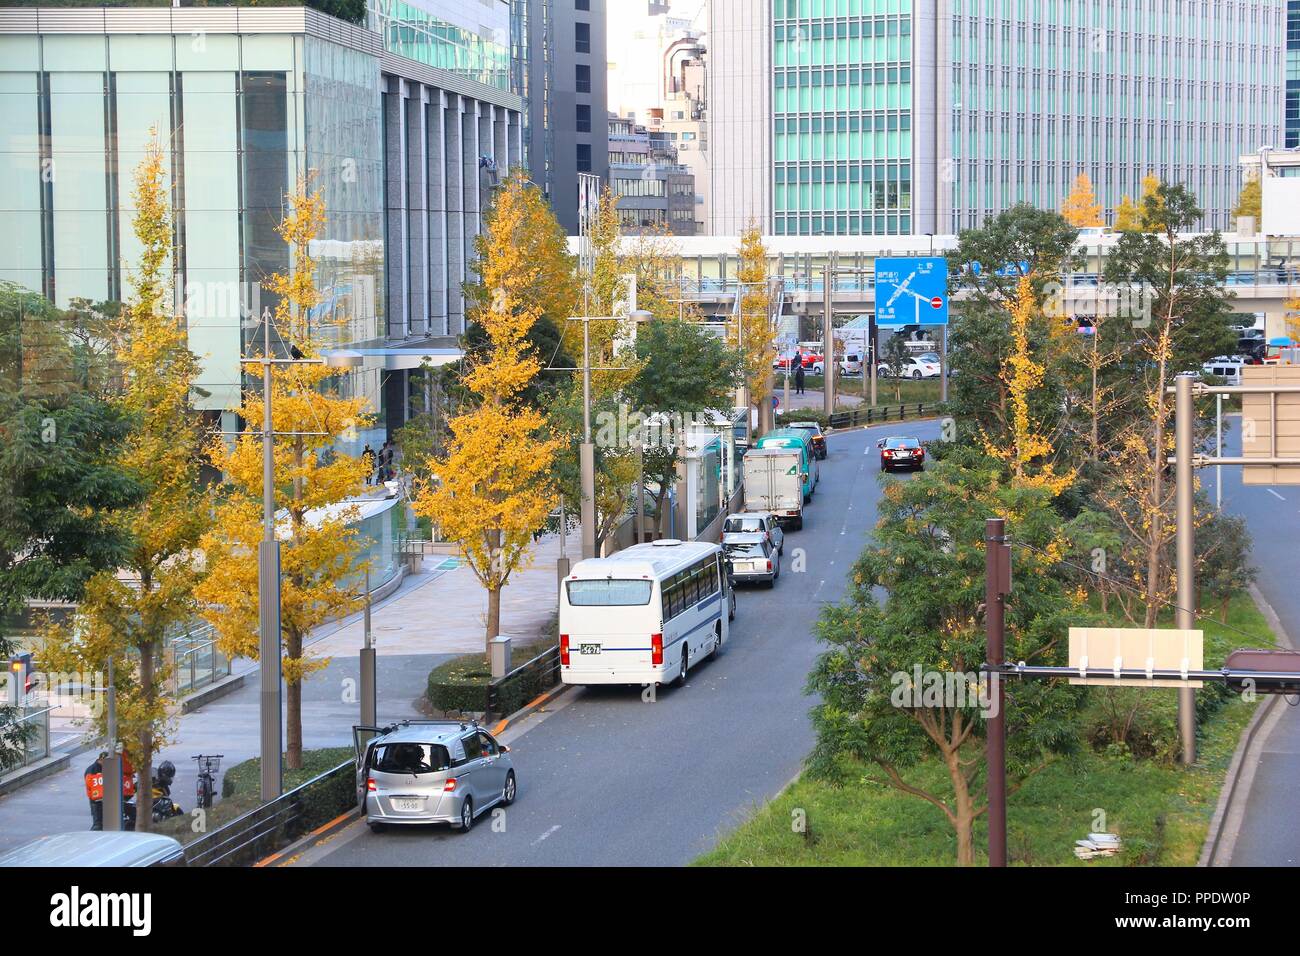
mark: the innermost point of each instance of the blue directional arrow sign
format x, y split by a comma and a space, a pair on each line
912, 291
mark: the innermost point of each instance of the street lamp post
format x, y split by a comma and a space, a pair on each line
268, 571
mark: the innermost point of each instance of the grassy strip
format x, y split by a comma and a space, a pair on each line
910, 390
1161, 811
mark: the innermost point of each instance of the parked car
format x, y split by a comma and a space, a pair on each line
748, 522
1226, 367
751, 558
914, 366
818, 438
431, 771
901, 453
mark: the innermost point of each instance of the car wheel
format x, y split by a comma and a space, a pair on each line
509, 790
731, 611
376, 826
466, 815
915, 375
798, 523
681, 675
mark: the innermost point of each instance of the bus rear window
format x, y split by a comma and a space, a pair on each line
608, 593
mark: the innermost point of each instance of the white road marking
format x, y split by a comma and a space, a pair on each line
1275, 494
546, 834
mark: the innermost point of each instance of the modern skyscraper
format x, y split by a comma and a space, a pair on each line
1291, 130
561, 70
898, 116
403, 122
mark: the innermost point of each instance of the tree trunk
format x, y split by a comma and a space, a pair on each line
144, 763
1223, 609
293, 708
493, 616
963, 811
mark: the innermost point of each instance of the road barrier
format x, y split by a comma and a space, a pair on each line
870, 415
273, 826
510, 693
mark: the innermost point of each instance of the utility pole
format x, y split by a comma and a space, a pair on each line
268, 594
112, 765
997, 585
1185, 570
828, 336
369, 685
587, 451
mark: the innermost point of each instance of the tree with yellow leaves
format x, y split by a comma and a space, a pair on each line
494, 488
1024, 447
1149, 206
126, 616
754, 336
320, 555
1081, 207
1126, 215
1250, 200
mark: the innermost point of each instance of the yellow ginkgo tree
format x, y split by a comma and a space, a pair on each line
125, 616
494, 487
1081, 207
320, 555
754, 335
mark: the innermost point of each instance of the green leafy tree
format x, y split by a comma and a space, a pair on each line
1223, 567
874, 717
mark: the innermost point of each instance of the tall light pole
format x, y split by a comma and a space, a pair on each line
268, 569
1185, 546
587, 450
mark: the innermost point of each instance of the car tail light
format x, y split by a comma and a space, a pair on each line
370, 785
656, 649
450, 785
769, 564
564, 650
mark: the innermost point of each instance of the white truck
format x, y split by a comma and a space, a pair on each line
774, 482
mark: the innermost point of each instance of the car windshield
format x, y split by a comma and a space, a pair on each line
608, 593
807, 426
744, 549
928, 357
902, 443
410, 758
741, 525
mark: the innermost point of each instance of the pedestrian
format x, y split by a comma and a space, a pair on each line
798, 379
385, 455
368, 456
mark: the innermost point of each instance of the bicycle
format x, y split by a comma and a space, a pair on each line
206, 789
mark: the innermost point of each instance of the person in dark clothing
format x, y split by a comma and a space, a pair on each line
798, 379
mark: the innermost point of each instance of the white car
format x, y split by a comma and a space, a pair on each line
748, 522
913, 367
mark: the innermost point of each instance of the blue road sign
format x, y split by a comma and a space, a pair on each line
912, 291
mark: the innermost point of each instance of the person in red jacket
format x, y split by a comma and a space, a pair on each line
94, 779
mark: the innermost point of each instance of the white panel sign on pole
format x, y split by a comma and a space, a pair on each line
1136, 648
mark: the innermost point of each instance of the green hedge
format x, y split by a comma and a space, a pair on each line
804, 415
460, 684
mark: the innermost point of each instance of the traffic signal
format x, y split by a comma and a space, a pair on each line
20, 678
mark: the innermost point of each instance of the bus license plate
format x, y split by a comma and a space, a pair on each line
589, 649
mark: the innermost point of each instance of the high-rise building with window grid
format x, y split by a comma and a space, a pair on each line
844, 117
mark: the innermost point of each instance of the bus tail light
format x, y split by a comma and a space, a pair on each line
656, 649
564, 650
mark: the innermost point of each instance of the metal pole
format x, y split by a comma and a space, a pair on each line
562, 562
828, 340
111, 804
995, 653
1184, 418
873, 333
1218, 452
586, 451
640, 491
943, 363
369, 688
268, 596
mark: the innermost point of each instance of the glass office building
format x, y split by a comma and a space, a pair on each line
245, 102
1291, 131
928, 116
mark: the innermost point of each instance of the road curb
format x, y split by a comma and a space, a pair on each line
1220, 839
538, 702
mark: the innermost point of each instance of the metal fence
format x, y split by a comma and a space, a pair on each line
273, 826
197, 664
523, 683
882, 413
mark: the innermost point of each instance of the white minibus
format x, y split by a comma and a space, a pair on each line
644, 615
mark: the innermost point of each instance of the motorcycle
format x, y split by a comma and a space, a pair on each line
164, 807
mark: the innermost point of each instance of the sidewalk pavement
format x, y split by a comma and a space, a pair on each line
811, 399
432, 616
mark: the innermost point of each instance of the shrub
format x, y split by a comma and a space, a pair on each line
460, 684
803, 415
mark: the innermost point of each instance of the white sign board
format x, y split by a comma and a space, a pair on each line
1136, 648
1281, 206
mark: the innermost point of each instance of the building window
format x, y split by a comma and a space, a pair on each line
582, 4
582, 37
584, 157
583, 121
582, 78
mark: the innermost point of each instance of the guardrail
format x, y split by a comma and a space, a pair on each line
870, 415
507, 694
33, 735
198, 665
275, 825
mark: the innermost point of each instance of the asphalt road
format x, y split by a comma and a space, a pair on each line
1269, 835
606, 779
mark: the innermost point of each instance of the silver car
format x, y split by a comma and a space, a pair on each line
747, 522
751, 557
431, 771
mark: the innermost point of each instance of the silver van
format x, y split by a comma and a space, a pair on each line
94, 848
431, 771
